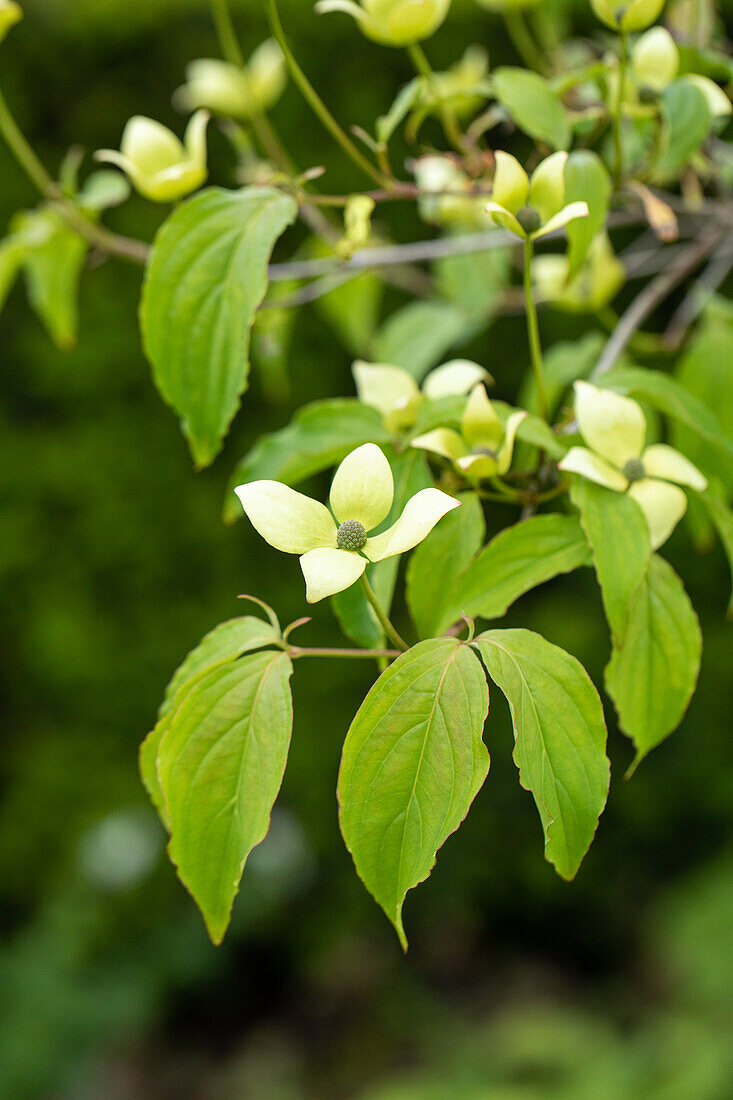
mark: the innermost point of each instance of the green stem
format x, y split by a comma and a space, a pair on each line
447, 115
225, 32
523, 42
618, 173
533, 332
382, 616
124, 247
315, 102
329, 651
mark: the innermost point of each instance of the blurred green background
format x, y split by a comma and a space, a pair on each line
113, 562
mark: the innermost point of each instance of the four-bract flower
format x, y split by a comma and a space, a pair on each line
158, 165
395, 393
228, 90
614, 427
532, 207
392, 22
334, 546
483, 447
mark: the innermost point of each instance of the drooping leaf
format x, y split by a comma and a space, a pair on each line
667, 395
445, 553
52, 264
413, 762
319, 436
586, 179
560, 738
533, 105
206, 276
357, 620
224, 643
687, 122
652, 676
220, 765
418, 336
722, 518
618, 536
517, 560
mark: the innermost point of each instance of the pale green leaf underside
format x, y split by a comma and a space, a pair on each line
412, 764
205, 279
220, 765
587, 180
517, 560
652, 675
560, 736
618, 535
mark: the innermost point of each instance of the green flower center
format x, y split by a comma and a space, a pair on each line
529, 219
634, 470
351, 535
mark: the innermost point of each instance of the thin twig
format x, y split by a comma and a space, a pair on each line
327, 651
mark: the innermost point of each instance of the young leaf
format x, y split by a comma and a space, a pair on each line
224, 643
52, 265
687, 121
586, 179
206, 276
533, 105
560, 738
220, 765
418, 336
401, 107
446, 552
667, 395
652, 675
618, 535
352, 311
319, 436
413, 762
517, 560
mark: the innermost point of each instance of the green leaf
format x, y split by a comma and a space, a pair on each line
224, 643
533, 105
687, 122
475, 281
320, 436
722, 519
560, 738
103, 189
586, 179
418, 336
652, 675
413, 762
403, 103
357, 620
445, 553
565, 362
352, 310
12, 254
704, 371
52, 264
220, 765
618, 535
206, 276
667, 395
517, 560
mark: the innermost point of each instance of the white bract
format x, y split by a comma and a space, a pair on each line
392, 22
334, 546
632, 15
10, 14
228, 90
597, 282
395, 393
158, 164
483, 447
614, 427
534, 207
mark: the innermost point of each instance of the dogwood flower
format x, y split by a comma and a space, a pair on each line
655, 59
395, 393
392, 22
10, 14
634, 15
483, 447
335, 546
597, 282
158, 165
226, 89
532, 207
614, 427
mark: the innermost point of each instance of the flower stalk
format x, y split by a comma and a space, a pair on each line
384, 620
533, 331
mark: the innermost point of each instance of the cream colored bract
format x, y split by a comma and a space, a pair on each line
226, 89
397, 396
484, 446
158, 164
361, 498
515, 196
392, 22
614, 427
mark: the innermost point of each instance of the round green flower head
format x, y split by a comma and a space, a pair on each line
632, 15
392, 22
